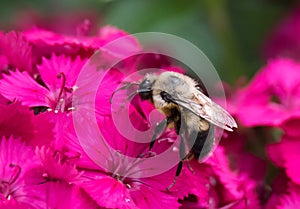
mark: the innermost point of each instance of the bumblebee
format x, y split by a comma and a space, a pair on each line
188, 110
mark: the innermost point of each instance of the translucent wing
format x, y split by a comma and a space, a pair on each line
205, 108
214, 113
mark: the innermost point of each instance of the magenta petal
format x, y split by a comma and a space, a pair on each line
63, 43
255, 168
56, 165
147, 198
274, 96
17, 50
124, 46
14, 151
109, 84
286, 154
292, 168
291, 126
74, 147
220, 166
61, 125
268, 116
290, 152
61, 195
274, 152
117, 141
196, 183
18, 121
47, 42
109, 192
290, 201
22, 87
14, 205
283, 192
37, 36
43, 131
3, 63
50, 68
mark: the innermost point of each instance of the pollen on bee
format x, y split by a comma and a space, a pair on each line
204, 125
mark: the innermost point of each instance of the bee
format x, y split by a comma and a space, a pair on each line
188, 110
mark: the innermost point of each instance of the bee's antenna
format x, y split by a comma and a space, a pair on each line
122, 88
131, 95
129, 98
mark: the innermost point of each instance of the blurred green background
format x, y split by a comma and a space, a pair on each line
230, 32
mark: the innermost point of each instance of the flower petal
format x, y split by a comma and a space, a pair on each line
50, 68
21, 86
109, 192
17, 50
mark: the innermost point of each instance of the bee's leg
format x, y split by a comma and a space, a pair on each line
178, 171
159, 129
182, 152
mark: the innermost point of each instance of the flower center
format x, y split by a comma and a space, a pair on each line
63, 101
5, 186
128, 170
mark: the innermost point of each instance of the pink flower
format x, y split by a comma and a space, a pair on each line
18, 181
285, 154
48, 42
59, 75
271, 97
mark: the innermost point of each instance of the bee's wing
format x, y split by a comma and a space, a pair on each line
204, 107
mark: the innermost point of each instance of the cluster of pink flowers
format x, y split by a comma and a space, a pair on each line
268, 110
44, 165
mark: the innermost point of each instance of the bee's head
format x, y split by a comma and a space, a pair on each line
145, 88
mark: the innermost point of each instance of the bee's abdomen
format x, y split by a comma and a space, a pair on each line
203, 143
